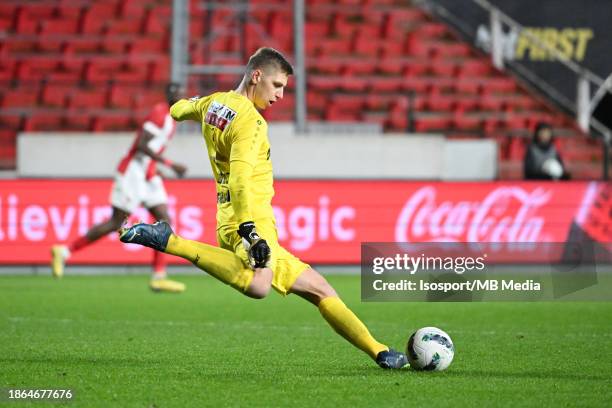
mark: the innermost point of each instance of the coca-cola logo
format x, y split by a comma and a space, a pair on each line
505, 214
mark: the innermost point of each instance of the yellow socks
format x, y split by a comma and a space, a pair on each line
220, 263
346, 324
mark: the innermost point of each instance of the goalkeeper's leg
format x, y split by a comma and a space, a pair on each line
220, 263
313, 287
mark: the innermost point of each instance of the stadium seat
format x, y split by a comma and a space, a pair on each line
7, 69
87, 98
68, 71
92, 24
42, 121
316, 30
111, 123
55, 95
316, 101
25, 23
20, 98
347, 102
429, 123
128, 26
441, 102
463, 122
385, 84
35, 69
58, 26
336, 114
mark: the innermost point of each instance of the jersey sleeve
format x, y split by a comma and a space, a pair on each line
189, 109
246, 141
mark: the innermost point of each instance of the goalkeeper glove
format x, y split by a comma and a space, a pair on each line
256, 247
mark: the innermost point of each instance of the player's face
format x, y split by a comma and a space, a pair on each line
269, 87
544, 136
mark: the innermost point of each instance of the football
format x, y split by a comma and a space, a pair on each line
430, 349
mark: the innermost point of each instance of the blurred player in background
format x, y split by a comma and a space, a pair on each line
138, 183
250, 258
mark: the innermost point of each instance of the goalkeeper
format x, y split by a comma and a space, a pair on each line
250, 258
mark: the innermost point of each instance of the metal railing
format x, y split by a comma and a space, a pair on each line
584, 104
181, 68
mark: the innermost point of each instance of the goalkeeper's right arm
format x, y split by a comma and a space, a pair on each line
188, 109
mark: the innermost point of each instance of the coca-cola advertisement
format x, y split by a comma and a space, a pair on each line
322, 222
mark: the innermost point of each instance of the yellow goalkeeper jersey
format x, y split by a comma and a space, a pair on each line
238, 147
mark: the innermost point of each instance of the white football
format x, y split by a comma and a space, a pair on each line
430, 349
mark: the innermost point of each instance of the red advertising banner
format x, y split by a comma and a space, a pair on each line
319, 221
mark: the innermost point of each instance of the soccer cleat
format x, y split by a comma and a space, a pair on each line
57, 260
154, 236
391, 359
166, 285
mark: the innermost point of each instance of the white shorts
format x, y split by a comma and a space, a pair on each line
132, 189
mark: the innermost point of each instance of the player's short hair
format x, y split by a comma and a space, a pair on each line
173, 87
268, 57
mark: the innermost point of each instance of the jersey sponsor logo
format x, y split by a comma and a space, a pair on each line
219, 115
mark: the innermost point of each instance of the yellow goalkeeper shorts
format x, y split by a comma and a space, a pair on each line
285, 266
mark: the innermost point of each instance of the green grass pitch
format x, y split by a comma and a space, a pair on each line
116, 344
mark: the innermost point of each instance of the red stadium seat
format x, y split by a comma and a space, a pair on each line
145, 99
77, 121
385, 84
59, 26
67, 72
56, 95
440, 102
366, 46
463, 122
347, 102
88, 98
431, 123
10, 120
316, 101
359, 67
154, 25
26, 23
111, 123
334, 47
115, 45
491, 103
122, 97
159, 71
134, 9
475, 68
20, 98
145, 45
128, 26
335, 114
42, 121
93, 24
444, 68
315, 30
7, 69
324, 83
325, 65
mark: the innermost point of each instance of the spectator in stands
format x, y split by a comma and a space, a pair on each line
542, 160
138, 182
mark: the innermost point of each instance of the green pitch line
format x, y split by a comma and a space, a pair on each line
114, 343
